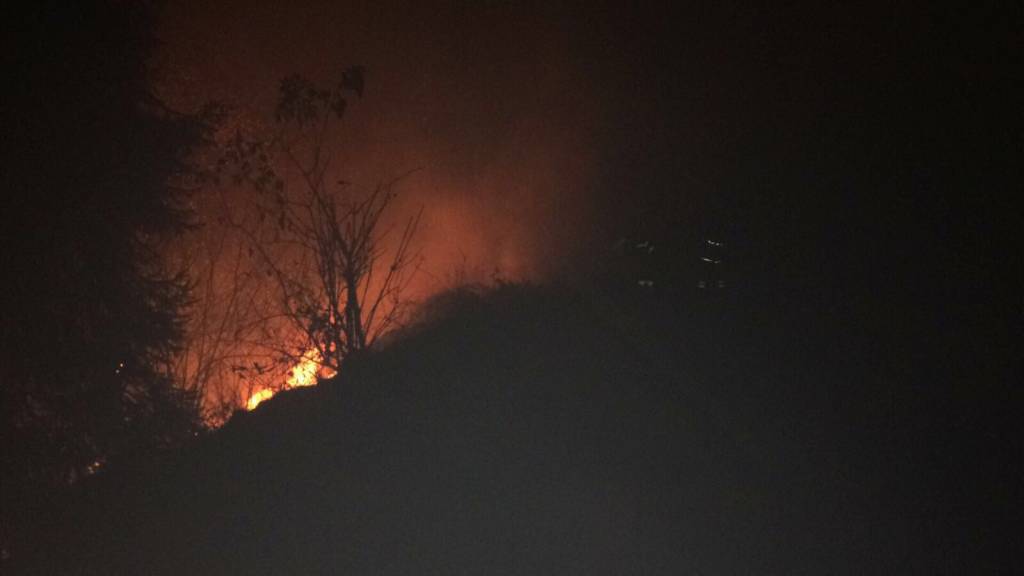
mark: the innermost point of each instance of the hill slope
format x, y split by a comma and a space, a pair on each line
522, 431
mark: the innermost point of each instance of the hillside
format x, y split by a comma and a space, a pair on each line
519, 431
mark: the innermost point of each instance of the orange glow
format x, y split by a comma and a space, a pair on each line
257, 397
304, 373
505, 189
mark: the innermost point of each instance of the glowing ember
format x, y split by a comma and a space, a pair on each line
304, 373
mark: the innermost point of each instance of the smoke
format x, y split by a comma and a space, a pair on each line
485, 108
487, 102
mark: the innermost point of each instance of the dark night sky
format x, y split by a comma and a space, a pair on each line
581, 125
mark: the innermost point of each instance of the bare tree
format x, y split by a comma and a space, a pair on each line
227, 309
338, 268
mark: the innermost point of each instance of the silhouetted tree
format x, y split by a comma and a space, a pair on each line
91, 189
226, 313
339, 278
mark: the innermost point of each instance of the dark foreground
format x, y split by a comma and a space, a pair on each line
531, 432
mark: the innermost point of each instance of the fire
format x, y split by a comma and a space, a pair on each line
303, 373
257, 397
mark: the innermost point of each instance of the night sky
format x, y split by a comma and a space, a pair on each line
561, 126
795, 225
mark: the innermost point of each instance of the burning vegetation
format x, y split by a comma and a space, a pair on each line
306, 372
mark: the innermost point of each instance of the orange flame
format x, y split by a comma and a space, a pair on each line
257, 397
303, 373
